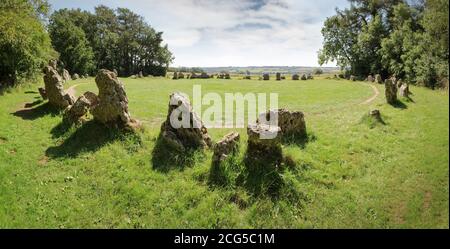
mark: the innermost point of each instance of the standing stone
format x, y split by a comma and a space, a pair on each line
140, 75
404, 90
390, 91
278, 76
295, 77
194, 136
43, 93
180, 75
370, 78
54, 87
292, 124
86, 76
304, 77
76, 113
175, 76
247, 77
112, 106
66, 75
376, 115
266, 76
75, 76
115, 72
378, 79
263, 151
399, 83
227, 146
194, 76
352, 78
310, 77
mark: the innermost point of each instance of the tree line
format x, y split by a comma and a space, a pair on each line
83, 41
406, 39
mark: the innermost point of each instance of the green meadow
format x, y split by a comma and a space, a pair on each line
349, 173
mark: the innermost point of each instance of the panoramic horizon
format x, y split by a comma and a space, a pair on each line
232, 33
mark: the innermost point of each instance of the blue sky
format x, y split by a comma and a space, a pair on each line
232, 32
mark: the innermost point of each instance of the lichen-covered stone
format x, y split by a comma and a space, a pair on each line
404, 90
295, 77
66, 75
193, 136
263, 146
43, 93
75, 76
266, 76
175, 76
352, 78
390, 91
227, 146
304, 77
112, 106
292, 124
370, 78
54, 87
378, 79
278, 76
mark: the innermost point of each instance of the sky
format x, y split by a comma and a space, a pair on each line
210, 33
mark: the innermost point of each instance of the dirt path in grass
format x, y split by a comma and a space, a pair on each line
71, 90
376, 92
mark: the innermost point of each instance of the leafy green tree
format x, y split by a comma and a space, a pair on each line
24, 44
70, 41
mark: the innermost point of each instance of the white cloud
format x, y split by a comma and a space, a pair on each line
234, 32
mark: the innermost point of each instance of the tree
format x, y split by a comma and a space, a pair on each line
119, 39
390, 38
70, 41
24, 44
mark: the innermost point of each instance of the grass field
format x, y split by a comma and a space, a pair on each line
348, 175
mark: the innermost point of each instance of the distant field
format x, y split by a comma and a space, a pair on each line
348, 175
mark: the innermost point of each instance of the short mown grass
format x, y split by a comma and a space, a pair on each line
349, 173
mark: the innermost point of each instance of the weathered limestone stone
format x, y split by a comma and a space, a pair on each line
292, 124
352, 78
115, 72
378, 79
375, 114
54, 87
404, 90
76, 113
263, 150
370, 78
304, 77
193, 136
43, 93
175, 76
227, 146
140, 75
310, 77
266, 76
112, 106
247, 77
194, 76
86, 76
75, 76
180, 75
278, 76
283, 77
390, 91
66, 75
295, 77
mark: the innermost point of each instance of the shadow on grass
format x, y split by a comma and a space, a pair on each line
399, 104
165, 157
299, 141
37, 102
89, 137
37, 112
31, 92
